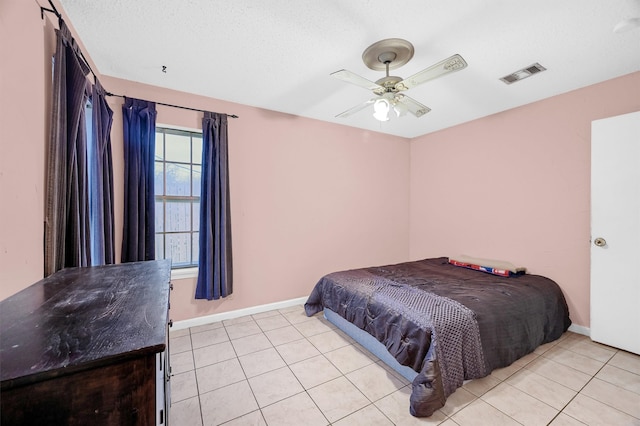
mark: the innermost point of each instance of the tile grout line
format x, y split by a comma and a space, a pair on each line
371, 403
305, 390
244, 373
504, 381
306, 339
286, 364
584, 386
195, 375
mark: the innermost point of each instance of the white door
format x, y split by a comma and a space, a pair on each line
615, 231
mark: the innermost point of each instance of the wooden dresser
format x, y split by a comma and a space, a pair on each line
88, 346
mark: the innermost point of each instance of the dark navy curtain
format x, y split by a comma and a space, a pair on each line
215, 272
139, 124
66, 226
101, 180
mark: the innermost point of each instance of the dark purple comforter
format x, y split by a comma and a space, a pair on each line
446, 322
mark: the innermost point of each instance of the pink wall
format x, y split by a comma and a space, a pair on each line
310, 197
307, 198
516, 186
24, 78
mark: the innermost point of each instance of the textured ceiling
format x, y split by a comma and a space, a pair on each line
278, 54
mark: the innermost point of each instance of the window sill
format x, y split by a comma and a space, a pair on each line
183, 273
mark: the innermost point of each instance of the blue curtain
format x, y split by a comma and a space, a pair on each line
139, 124
66, 233
215, 271
101, 180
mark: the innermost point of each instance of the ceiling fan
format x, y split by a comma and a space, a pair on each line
386, 55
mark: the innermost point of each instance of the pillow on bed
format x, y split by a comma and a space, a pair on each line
492, 266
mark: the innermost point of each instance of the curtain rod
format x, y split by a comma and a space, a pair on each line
52, 10
171, 105
59, 16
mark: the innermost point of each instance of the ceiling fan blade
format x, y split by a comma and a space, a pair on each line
352, 78
356, 108
413, 106
454, 63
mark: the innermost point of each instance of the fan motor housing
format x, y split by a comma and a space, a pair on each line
392, 51
389, 83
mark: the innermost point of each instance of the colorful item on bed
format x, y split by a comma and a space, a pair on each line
501, 265
488, 269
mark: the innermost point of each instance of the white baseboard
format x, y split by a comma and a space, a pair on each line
580, 329
208, 319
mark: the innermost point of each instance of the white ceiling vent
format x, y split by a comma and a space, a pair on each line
523, 73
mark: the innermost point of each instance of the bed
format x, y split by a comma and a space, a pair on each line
442, 321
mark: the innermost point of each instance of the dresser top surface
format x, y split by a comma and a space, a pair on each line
82, 318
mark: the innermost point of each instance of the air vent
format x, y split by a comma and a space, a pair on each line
523, 73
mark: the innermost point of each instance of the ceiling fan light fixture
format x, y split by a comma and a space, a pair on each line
400, 109
381, 110
389, 54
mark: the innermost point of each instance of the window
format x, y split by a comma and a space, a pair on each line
94, 228
178, 168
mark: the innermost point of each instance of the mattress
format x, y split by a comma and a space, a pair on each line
447, 323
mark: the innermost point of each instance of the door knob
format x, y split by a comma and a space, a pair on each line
600, 242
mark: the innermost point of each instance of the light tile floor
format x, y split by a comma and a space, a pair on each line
282, 368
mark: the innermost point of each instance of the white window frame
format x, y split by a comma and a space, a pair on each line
182, 272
